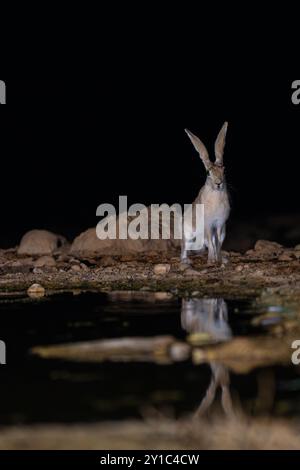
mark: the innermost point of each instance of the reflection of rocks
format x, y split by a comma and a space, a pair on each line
243, 354
154, 349
40, 242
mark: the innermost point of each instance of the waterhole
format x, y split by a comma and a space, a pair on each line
79, 386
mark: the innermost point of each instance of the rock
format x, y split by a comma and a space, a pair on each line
37, 271
16, 264
88, 242
36, 291
297, 248
63, 258
258, 273
196, 293
200, 339
162, 296
84, 267
76, 268
161, 269
250, 253
243, 354
239, 268
107, 261
285, 257
40, 242
17, 267
179, 351
23, 262
268, 247
192, 272
183, 267
154, 349
44, 261
127, 258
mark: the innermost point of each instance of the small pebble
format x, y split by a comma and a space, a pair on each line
179, 351
239, 268
35, 291
37, 271
192, 272
44, 261
75, 268
161, 269
163, 295
84, 267
195, 293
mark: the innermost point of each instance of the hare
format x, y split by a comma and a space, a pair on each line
214, 196
210, 316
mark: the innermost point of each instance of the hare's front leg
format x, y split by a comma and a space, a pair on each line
214, 247
210, 246
221, 232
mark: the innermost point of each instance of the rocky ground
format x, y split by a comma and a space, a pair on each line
266, 269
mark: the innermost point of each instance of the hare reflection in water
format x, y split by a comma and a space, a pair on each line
210, 316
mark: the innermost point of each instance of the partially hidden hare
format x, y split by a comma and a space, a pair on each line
214, 196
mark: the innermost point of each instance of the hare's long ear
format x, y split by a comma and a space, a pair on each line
201, 149
220, 144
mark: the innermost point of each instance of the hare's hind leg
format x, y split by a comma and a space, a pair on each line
184, 256
210, 246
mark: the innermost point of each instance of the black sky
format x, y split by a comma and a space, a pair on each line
70, 142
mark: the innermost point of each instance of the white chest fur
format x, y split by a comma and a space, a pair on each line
216, 206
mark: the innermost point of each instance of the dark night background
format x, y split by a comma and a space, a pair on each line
70, 143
